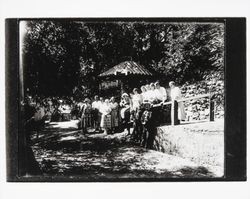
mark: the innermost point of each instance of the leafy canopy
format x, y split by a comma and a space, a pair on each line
60, 55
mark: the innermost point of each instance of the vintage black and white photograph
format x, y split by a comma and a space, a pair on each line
117, 100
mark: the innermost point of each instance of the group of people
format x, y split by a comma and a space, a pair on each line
154, 94
102, 114
52, 108
107, 114
138, 105
38, 109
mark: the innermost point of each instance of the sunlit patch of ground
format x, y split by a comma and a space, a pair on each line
61, 149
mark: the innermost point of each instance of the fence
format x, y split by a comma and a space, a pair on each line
167, 113
174, 107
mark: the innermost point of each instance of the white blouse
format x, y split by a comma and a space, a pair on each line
136, 101
175, 93
105, 109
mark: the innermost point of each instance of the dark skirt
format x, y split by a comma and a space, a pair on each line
107, 121
95, 114
86, 121
87, 118
56, 117
114, 118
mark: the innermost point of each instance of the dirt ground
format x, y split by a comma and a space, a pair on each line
63, 150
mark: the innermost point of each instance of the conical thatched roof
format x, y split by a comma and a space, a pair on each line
126, 68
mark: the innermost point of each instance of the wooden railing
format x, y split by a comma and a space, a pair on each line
174, 106
169, 115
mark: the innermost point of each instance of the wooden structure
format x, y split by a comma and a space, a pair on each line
123, 78
174, 107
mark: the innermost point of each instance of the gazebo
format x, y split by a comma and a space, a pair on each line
123, 78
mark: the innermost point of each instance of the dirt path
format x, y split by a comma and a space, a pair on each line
61, 149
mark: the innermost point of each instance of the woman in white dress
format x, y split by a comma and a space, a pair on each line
161, 93
105, 110
152, 94
125, 104
147, 93
175, 94
136, 99
143, 93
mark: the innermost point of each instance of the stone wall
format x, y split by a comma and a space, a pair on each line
201, 142
199, 109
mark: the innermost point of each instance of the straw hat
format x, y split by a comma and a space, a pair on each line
87, 100
124, 94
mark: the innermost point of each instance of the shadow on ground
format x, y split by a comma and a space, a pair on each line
67, 151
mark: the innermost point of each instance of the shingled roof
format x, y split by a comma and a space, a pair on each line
127, 67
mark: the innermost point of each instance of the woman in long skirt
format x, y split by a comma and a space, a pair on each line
114, 114
105, 110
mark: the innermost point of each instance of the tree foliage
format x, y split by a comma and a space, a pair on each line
60, 55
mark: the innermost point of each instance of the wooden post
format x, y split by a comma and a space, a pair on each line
174, 113
121, 86
211, 110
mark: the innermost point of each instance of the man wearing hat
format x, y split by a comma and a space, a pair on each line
95, 110
86, 117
